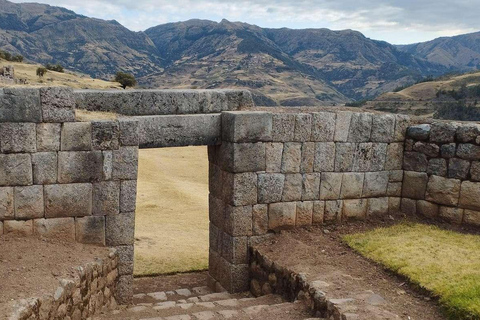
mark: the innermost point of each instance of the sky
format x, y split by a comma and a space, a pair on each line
395, 21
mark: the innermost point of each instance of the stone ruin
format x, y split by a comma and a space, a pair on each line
268, 169
7, 74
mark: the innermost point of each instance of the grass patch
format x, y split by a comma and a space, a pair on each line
445, 263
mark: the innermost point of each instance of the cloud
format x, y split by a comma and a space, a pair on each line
397, 21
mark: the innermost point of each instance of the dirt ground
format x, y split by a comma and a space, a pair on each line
170, 282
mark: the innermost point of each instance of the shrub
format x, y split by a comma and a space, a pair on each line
56, 67
41, 71
125, 79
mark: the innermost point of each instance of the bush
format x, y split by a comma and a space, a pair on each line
57, 67
9, 57
41, 71
125, 79
356, 104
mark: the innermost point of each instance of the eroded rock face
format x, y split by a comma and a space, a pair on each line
443, 191
419, 132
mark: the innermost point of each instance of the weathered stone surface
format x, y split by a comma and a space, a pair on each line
396, 176
429, 149
260, 219
409, 144
1, 228
383, 128
48, 136
6, 203
415, 161
414, 185
76, 136
21, 228
402, 122
419, 132
408, 206
318, 212
394, 159
470, 195
324, 157
443, 132
427, 209
129, 132
377, 207
80, 166
243, 157
344, 156
467, 132
468, 151
125, 163
472, 217
394, 204
29, 202
90, 230
355, 208
310, 186
363, 157
124, 289
58, 229
452, 215
246, 126
342, 126
68, 200
105, 135
283, 127
323, 126
292, 190
475, 171
106, 198
241, 188
375, 184
18, 137
44, 167
352, 185
379, 156
437, 166
20, 105
292, 157
273, 154
270, 187
304, 213
238, 220
303, 127
360, 127
281, 215
443, 191
15, 170
448, 150
235, 249
119, 229
333, 211
458, 168
394, 189
58, 104
330, 185
128, 195
308, 157
125, 260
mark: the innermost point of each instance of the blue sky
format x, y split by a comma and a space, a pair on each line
395, 21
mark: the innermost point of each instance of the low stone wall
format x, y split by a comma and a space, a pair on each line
90, 292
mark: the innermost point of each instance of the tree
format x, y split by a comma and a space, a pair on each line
56, 67
125, 79
41, 71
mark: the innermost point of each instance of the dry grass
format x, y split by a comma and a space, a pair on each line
85, 115
171, 227
445, 263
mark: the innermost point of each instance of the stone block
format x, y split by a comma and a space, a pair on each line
408, 206
394, 204
324, 157
106, 198
443, 132
448, 150
44, 167
119, 229
283, 127
303, 127
20, 105
48, 136
437, 166
427, 209
105, 135
214, 238
394, 160
58, 104
308, 157
323, 129
383, 128
443, 191
90, 230
352, 185
467, 132
1, 228
375, 184
458, 168
468, 151
20, 228
377, 207
129, 132
304, 213
451, 214
281, 215
415, 161
248, 157
235, 249
379, 156
318, 212
470, 195
310, 186
414, 185
125, 163
216, 211
333, 211
355, 209
246, 126
292, 190
419, 132
128, 195
396, 176
125, 260
402, 122
394, 189
330, 185
270, 187
107, 165
6, 203
475, 171
240, 189
15, 170
363, 157
68, 200
360, 127
80, 166
470, 217
273, 154
76, 136
260, 219
29, 203
58, 229
18, 137
344, 156
342, 126
429, 149
124, 289
292, 157
409, 144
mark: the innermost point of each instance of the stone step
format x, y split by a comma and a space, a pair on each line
179, 294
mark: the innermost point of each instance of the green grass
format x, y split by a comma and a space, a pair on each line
446, 263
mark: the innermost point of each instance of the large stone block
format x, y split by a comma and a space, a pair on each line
238, 221
6, 203
128, 195
377, 206
330, 186
283, 127
394, 189
394, 160
273, 154
125, 163
323, 126
15, 170
402, 122
249, 157
448, 150
468, 151
443, 191
216, 211
125, 260
472, 217
475, 171
363, 157
451, 214
105, 135
48, 136
308, 157
437, 167
68, 200
58, 229
443, 132
21, 228
76, 136
458, 168
18, 137
240, 189
379, 156
355, 209
415, 161
235, 249
324, 157
304, 213
106, 198
281, 215
129, 132
318, 212
419, 132
292, 190
427, 209
292, 157
29, 202
333, 211
470, 195
429, 149
394, 204
270, 187
124, 289
352, 185
311, 186
44, 167
90, 230
260, 219
303, 127
344, 156
80, 166
360, 127
383, 128
246, 126
107, 165
342, 126
408, 206
467, 132
414, 185
375, 184
120, 229
58, 104
20, 105
396, 176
